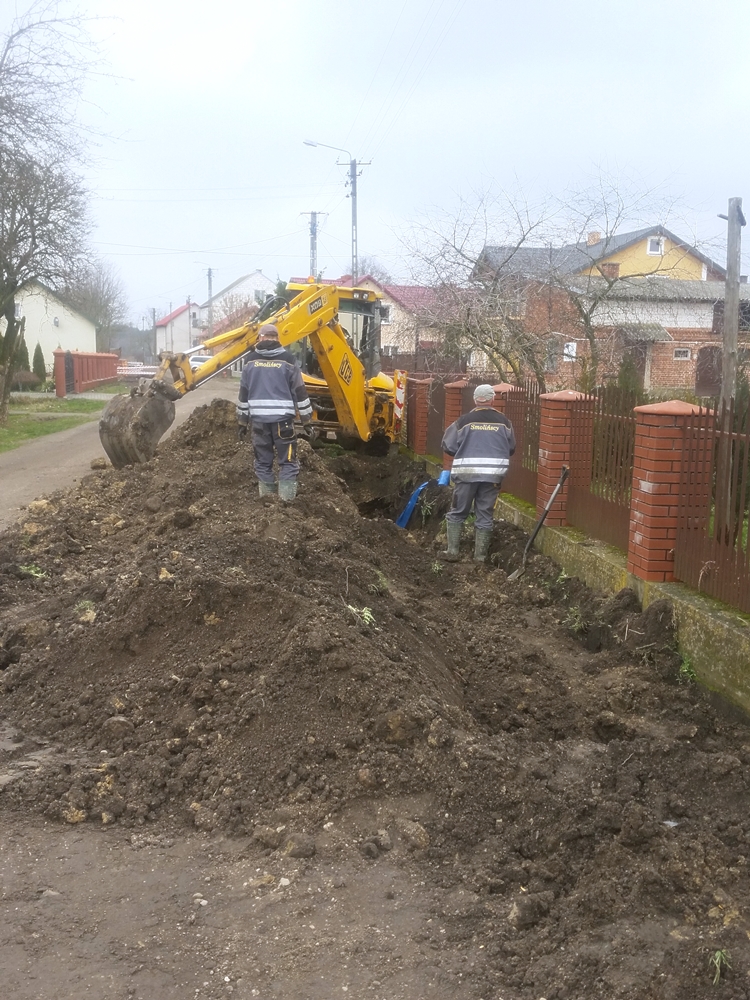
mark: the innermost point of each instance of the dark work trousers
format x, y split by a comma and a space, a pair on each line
277, 438
482, 495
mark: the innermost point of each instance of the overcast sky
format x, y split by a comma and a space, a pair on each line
209, 103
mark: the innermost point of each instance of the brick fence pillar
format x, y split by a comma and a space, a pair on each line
556, 414
659, 439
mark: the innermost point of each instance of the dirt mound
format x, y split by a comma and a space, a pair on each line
179, 650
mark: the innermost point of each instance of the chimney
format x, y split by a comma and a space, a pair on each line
593, 239
610, 271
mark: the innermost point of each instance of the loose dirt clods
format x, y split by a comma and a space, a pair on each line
523, 767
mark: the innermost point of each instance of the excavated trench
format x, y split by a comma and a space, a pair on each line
311, 679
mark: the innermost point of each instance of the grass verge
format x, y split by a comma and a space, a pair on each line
21, 428
76, 405
113, 388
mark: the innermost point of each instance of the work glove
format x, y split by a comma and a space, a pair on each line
241, 432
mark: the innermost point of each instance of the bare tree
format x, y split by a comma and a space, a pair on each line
96, 291
507, 278
473, 307
372, 266
45, 58
43, 228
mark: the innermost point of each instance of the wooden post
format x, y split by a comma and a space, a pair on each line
735, 222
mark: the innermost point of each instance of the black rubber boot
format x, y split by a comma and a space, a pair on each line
288, 489
482, 538
451, 554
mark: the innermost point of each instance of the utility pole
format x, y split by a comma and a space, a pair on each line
735, 222
314, 241
210, 302
353, 193
153, 326
354, 166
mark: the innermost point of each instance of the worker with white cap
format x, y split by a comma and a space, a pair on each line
481, 443
272, 393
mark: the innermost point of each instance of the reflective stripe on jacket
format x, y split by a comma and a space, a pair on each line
481, 443
271, 387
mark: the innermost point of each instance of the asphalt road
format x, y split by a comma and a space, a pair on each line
57, 461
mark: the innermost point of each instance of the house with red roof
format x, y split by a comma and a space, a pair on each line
180, 329
406, 310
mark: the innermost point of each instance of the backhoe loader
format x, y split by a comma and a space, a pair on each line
352, 400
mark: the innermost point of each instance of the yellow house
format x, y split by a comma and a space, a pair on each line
654, 250
648, 251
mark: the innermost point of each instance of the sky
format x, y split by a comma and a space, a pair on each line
204, 109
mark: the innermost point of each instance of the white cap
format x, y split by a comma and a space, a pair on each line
484, 393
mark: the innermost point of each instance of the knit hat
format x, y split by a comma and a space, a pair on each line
484, 394
268, 330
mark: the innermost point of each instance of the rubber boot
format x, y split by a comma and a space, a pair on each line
266, 489
453, 529
482, 537
288, 489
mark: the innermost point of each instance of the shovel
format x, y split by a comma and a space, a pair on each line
522, 568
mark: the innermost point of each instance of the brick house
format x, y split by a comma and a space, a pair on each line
670, 331
649, 300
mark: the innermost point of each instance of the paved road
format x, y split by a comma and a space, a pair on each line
57, 461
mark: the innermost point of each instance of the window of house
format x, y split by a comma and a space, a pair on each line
569, 350
681, 354
18, 310
655, 246
385, 314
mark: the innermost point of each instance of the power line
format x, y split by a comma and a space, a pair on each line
400, 79
231, 246
384, 49
435, 48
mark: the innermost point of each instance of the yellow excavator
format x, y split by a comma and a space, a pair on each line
352, 400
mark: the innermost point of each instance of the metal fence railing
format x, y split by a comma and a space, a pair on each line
713, 514
523, 409
601, 465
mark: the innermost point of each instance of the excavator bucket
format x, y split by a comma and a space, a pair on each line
131, 426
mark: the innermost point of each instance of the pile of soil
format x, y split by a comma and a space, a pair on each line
179, 652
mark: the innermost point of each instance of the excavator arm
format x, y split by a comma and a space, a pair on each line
131, 427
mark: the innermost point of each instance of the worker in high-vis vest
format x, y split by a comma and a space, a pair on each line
272, 393
481, 443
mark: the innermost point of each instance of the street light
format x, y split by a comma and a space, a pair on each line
353, 186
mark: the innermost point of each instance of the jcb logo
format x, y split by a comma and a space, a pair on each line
315, 305
345, 370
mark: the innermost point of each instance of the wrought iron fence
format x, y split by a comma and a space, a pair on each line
601, 465
711, 546
436, 418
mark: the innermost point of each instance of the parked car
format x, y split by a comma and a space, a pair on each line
198, 359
